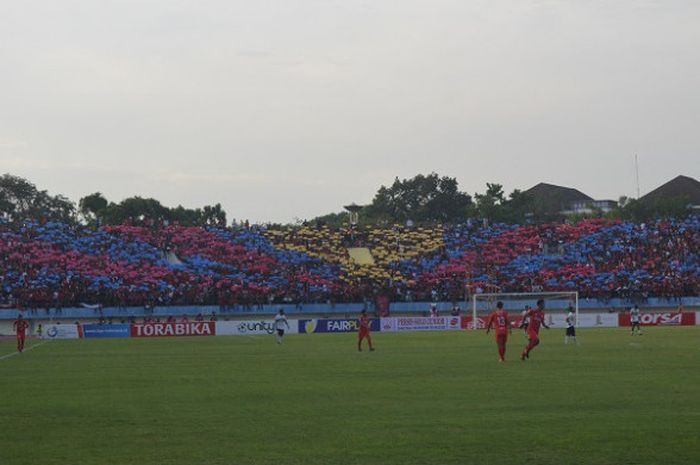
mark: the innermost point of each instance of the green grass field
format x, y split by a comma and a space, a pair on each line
421, 398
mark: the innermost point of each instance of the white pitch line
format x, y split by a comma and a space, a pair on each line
25, 350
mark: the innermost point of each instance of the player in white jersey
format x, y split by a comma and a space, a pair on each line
635, 320
525, 319
279, 324
570, 326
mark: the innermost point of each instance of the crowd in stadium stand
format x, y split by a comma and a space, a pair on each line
54, 265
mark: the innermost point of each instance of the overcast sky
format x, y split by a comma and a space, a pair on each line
292, 108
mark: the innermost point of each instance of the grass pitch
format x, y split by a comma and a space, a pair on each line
421, 398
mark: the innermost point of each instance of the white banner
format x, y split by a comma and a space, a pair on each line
413, 323
387, 324
69, 331
248, 327
585, 320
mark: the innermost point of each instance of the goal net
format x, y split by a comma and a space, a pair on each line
515, 303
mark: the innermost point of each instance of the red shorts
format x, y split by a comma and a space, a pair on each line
501, 337
533, 336
362, 333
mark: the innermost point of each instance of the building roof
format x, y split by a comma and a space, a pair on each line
680, 186
552, 198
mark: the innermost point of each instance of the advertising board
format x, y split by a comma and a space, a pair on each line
555, 320
106, 331
57, 331
251, 327
334, 325
203, 328
413, 323
660, 319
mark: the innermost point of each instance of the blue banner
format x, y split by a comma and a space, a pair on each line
118, 330
335, 325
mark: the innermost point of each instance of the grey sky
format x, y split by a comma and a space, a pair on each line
292, 108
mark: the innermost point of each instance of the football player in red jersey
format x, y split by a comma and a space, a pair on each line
20, 326
363, 331
536, 319
499, 319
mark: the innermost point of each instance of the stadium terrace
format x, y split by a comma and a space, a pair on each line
56, 265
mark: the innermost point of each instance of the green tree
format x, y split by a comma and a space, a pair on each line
135, 208
518, 208
645, 210
489, 205
20, 198
423, 199
213, 215
93, 206
17, 195
140, 208
58, 208
186, 216
334, 219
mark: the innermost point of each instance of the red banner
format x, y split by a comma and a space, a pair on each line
660, 319
205, 328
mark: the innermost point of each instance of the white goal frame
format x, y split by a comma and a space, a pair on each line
526, 297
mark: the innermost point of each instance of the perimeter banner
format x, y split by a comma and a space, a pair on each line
413, 323
660, 319
585, 320
252, 327
57, 331
102, 331
336, 325
203, 328
555, 320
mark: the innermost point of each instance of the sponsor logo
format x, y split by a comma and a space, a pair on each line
387, 324
256, 327
427, 323
173, 329
345, 325
340, 326
62, 332
251, 327
661, 319
118, 330
310, 326
468, 322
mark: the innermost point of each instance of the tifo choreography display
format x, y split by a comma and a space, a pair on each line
55, 265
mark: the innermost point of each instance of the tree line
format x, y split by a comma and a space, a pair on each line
431, 199
20, 199
423, 199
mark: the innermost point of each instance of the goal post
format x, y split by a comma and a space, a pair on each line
486, 302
